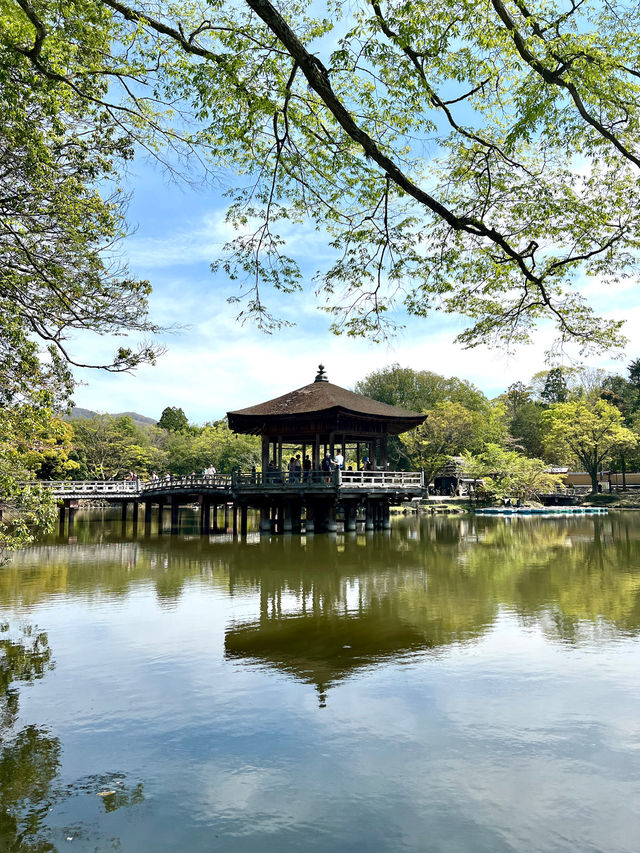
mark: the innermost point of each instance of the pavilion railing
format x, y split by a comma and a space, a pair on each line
331, 479
134, 488
383, 479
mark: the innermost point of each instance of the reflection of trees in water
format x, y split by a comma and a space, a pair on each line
30, 758
573, 577
440, 579
30, 786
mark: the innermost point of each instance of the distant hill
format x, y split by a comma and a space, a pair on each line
78, 412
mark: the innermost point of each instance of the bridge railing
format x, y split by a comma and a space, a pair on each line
187, 482
92, 487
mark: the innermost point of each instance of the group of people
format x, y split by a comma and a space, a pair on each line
300, 469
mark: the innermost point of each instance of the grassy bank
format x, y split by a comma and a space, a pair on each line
615, 500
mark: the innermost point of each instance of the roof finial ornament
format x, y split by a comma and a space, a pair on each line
322, 376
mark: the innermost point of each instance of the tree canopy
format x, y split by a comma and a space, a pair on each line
471, 157
62, 156
588, 433
173, 419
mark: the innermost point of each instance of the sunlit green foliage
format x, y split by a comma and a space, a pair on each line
30, 439
508, 474
588, 434
445, 400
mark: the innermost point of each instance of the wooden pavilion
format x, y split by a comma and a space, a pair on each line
322, 418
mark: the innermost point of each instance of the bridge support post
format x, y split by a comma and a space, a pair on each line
147, 518
160, 515
226, 517
134, 509
243, 520
235, 519
386, 516
62, 512
72, 506
215, 526
125, 504
205, 515
175, 507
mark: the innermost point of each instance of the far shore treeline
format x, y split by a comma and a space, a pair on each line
555, 418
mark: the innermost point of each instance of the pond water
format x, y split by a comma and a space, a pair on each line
454, 684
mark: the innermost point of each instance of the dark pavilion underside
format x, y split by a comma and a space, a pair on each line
322, 416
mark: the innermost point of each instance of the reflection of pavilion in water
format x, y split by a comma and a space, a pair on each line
365, 605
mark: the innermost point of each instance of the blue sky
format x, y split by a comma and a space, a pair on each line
213, 364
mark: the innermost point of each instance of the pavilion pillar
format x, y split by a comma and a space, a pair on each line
279, 463
286, 522
372, 455
357, 455
309, 521
331, 518
316, 453
383, 452
368, 519
265, 454
319, 516
350, 515
265, 519
296, 517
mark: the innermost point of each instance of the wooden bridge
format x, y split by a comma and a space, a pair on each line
303, 501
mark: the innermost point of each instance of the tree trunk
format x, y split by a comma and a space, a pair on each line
594, 481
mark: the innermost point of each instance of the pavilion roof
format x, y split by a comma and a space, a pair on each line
321, 396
